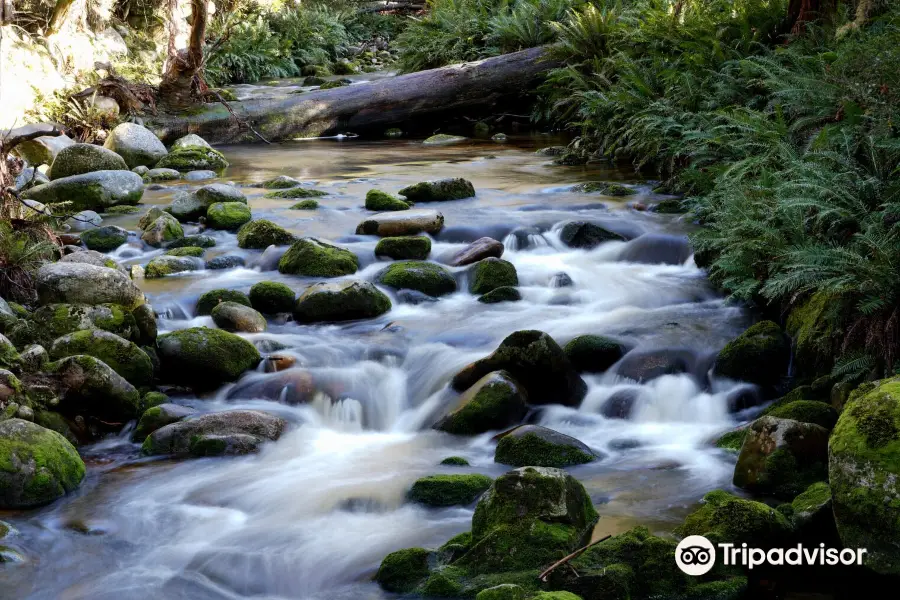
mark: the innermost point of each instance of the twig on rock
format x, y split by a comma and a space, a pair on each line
565, 561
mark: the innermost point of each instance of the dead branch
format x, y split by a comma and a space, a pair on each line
565, 561
14, 137
233, 114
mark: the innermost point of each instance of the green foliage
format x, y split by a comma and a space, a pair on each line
22, 252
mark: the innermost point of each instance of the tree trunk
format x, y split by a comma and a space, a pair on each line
60, 9
176, 91
417, 102
804, 12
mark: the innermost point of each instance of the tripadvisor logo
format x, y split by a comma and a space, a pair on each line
696, 555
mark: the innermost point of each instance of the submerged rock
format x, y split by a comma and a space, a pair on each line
296, 192
657, 249
340, 301
645, 365
205, 358
583, 234
382, 201
490, 274
541, 447
261, 234
478, 250
443, 139
761, 355
410, 222
225, 262
137, 145
76, 283
439, 191
593, 353
426, 277
449, 490
280, 183
494, 402
404, 247
315, 258
504, 293
216, 434
78, 159
95, 191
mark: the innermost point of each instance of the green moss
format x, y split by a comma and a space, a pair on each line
122, 356
671, 206
456, 461
494, 402
315, 258
393, 132
727, 518
556, 596
199, 241
382, 201
271, 297
152, 399
227, 215
426, 277
815, 496
760, 355
439, 191
282, 182
336, 83
733, 440
441, 586
593, 353
186, 251
449, 490
121, 210
530, 449
404, 247
169, 265
491, 273
204, 357
55, 422
104, 239
296, 192
306, 205
402, 571
811, 326
501, 294
261, 234
442, 139
605, 188
193, 158
806, 411
210, 299
506, 591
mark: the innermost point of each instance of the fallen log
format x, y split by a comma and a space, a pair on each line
426, 98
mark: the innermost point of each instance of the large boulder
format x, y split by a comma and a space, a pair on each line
426, 277
220, 192
449, 490
478, 250
645, 365
382, 201
124, 357
494, 402
161, 266
760, 355
412, 247
216, 434
92, 257
272, 297
315, 258
162, 231
56, 320
193, 158
439, 191
408, 222
593, 353
42, 150
261, 234
340, 301
654, 249
157, 417
541, 447
191, 140
781, 457
864, 473
38, 465
84, 158
96, 191
583, 234
92, 388
104, 239
205, 358
724, 518
490, 274
227, 215
77, 283
137, 145
804, 411
232, 316
536, 361
187, 207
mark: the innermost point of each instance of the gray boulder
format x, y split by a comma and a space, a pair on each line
42, 150
78, 159
137, 145
96, 191
340, 301
80, 283
92, 388
215, 434
92, 257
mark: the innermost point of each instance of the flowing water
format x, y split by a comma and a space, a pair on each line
313, 514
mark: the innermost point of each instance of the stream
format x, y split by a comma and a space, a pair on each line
312, 515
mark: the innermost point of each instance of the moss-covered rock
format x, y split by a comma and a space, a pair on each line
812, 328
152, 399
340, 301
92, 388
315, 258
449, 490
670, 206
261, 234
205, 358
781, 457
37, 465
334, 83
583, 234
805, 411
9, 356
733, 440
56, 320
864, 473
220, 192
404, 247
537, 362
92, 257
455, 461
403, 570
157, 417
282, 182
729, 519
490, 274
382, 201
443, 139
86, 284
232, 316
78, 159
215, 434
161, 266
199, 241
393, 132
157, 175
541, 447
306, 205
505, 591
295, 193
604, 187
123, 356
104, 239
270, 297
208, 300
760, 355
503, 293
193, 158
227, 215
163, 231
812, 515
494, 402
426, 277
191, 140
95, 191
593, 353
193, 251
439, 191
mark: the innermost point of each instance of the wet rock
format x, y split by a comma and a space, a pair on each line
78, 283
655, 249
449, 490
306, 205
561, 280
593, 353
232, 316
145, 319
92, 257
478, 250
527, 237
490, 274
404, 247
744, 397
411, 222
804, 411
494, 402
170, 265
393, 132
84, 220
455, 461
208, 300
104, 239
225, 262
281, 182
137, 145
781, 457
761, 355
504, 293
93, 388
340, 301
157, 175
644, 365
186, 251
538, 446
403, 570
227, 215
426, 277
187, 207
443, 139
157, 417
812, 515
162, 231
220, 192
604, 187
535, 361
382, 201
583, 234
270, 297
79, 159
261, 234
295, 193
278, 362
56, 320
467, 234
95, 191
229, 432
33, 358
188, 158
413, 297
315, 258
439, 190
291, 386
198, 241
205, 358
123, 356
200, 175
40, 465
619, 405
725, 518
191, 140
